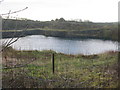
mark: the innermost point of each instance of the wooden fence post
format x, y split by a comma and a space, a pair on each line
53, 64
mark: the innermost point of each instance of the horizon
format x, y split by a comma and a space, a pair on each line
57, 18
44, 10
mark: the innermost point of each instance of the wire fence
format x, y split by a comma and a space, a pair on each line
50, 70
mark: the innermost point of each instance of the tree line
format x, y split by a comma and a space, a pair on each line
13, 24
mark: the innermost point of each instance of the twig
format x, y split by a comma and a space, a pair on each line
15, 11
11, 41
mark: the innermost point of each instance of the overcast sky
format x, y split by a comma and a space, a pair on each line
46, 10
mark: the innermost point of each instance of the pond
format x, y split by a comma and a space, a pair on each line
66, 46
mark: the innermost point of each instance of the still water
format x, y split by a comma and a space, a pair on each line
66, 46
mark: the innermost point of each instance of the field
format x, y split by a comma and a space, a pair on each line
33, 69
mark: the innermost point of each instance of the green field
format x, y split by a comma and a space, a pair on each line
33, 69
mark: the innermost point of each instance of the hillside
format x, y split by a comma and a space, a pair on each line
62, 28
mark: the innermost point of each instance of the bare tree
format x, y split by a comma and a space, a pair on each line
9, 42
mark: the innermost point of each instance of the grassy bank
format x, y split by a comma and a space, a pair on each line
33, 69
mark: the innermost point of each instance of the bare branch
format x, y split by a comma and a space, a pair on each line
8, 42
11, 41
15, 11
9, 14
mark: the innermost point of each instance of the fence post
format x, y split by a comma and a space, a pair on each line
53, 64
